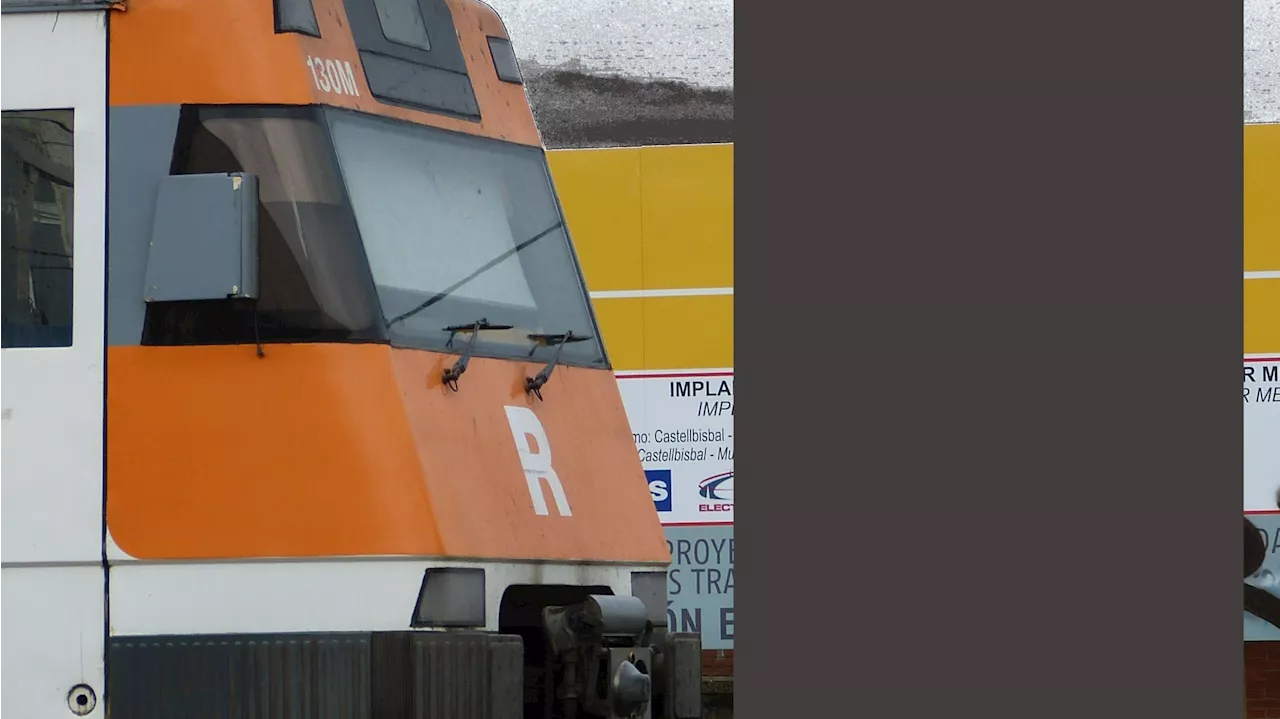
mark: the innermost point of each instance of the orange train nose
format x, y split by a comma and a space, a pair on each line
358, 450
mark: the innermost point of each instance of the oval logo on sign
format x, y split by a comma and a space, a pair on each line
718, 488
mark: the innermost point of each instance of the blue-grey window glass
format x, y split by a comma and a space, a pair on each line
459, 228
402, 22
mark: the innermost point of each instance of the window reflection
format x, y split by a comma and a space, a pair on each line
38, 207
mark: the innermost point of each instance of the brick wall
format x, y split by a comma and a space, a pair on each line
1261, 680
719, 663
717, 684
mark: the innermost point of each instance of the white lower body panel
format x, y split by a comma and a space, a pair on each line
312, 595
53, 619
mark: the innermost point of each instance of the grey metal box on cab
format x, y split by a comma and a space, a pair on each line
204, 241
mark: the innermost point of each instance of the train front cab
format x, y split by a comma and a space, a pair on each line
364, 453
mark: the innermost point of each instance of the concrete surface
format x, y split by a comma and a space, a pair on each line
575, 109
688, 41
603, 73
1262, 60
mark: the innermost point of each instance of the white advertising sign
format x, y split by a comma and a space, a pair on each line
682, 423
1261, 433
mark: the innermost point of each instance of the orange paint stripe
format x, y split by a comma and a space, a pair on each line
226, 52
349, 450
213, 453
166, 52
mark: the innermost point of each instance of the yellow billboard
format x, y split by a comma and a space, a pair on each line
653, 227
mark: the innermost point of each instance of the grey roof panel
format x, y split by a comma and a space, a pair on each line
15, 6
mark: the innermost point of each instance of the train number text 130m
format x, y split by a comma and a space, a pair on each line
334, 76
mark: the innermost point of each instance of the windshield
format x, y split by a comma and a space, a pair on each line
403, 231
457, 229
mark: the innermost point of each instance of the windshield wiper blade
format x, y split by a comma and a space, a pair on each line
534, 384
483, 268
452, 374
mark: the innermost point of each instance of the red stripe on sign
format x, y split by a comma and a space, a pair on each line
697, 524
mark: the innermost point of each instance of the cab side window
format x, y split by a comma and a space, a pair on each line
39, 250
313, 279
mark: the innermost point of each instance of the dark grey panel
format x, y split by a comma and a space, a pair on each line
204, 241
251, 677
466, 676
504, 60
16, 6
430, 75
297, 16
401, 82
384, 675
141, 151
445, 51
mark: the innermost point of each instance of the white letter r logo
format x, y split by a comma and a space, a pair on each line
536, 460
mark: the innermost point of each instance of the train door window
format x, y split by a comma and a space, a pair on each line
38, 232
402, 22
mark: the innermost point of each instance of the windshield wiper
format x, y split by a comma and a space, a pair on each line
452, 374
534, 384
483, 268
